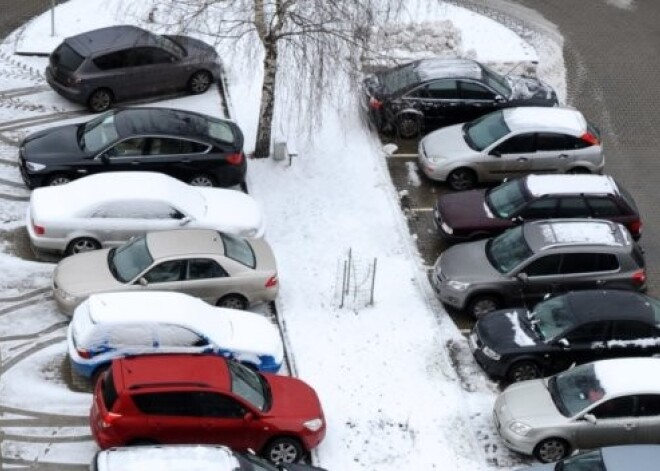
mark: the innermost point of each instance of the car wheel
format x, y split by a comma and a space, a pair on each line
57, 180
482, 304
408, 126
551, 450
283, 451
233, 301
98, 372
142, 442
199, 82
462, 179
100, 100
201, 179
82, 244
579, 171
523, 371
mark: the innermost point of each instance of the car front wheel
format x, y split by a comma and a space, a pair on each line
482, 304
283, 451
551, 450
100, 100
462, 179
523, 371
200, 82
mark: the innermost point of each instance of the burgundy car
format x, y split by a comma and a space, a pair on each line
483, 213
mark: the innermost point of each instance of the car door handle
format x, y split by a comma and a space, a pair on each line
522, 159
563, 156
135, 162
600, 282
629, 427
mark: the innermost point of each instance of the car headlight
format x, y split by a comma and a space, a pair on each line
313, 425
34, 167
490, 353
67, 297
458, 285
446, 228
519, 428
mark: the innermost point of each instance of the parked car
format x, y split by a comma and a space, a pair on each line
170, 399
524, 264
428, 93
475, 214
511, 143
578, 327
107, 209
103, 66
611, 458
608, 402
186, 458
219, 268
192, 147
113, 325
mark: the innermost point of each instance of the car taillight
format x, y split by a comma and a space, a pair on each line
73, 80
82, 353
375, 104
635, 227
39, 230
235, 159
272, 281
589, 139
108, 419
639, 277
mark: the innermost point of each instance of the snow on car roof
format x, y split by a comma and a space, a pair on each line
168, 458
539, 185
565, 120
577, 231
184, 242
85, 194
628, 375
428, 69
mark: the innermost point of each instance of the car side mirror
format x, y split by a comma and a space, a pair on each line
564, 343
143, 281
523, 277
249, 416
495, 153
105, 158
184, 221
500, 99
590, 418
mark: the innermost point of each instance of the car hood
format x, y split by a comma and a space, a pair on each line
195, 48
467, 262
86, 273
58, 144
528, 402
251, 335
447, 143
506, 330
530, 91
292, 398
467, 210
233, 212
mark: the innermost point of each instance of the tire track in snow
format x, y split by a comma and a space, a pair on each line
21, 305
23, 355
47, 330
28, 295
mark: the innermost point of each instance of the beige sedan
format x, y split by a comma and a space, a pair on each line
219, 268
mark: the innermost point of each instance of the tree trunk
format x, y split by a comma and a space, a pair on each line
262, 147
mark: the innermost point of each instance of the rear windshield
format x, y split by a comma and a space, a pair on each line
400, 78
66, 58
239, 250
108, 390
221, 131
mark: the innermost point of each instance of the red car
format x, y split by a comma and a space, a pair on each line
205, 399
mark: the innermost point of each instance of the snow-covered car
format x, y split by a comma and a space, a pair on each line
511, 143
107, 209
112, 325
219, 268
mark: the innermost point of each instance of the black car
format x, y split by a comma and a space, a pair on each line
192, 147
578, 327
122, 62
429, 93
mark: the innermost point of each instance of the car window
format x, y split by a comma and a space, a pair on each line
475, 91
220, 131
201, 268
540, 209
579, 263
176, 336
591, 332
615, 408
546, 141
573, 207
589, 461
149, 56
553, 317
238, 250
484, 131
648, 405
113, 60
66, 58
442, 90
136, 210
220, 406
99, 132
603, 207
128, 148
170, 146
127, 260
520, 144
632, 330
164, 272
575, 143
128, 335
169, 403
508, 250
544, 266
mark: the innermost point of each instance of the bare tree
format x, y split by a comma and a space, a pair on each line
320, 36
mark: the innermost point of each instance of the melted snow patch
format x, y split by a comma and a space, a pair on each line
520, 336
624, 4
413, 174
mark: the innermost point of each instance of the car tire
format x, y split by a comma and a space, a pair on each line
408, 126
482, 304
142, 442
283, 450
579, 171
100, 100
523, 370
98, 372
462, 179
233, 301
58, 179
82, 244
201, 179
199, 82
551, 450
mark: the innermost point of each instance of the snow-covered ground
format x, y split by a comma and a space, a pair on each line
396, 379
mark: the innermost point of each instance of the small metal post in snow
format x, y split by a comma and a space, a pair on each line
52, 17
373, 282
348, 271
343, 286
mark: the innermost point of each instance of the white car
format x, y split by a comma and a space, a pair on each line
107, 209
511, 143
113, 325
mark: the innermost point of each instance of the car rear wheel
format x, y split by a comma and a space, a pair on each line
82, 244
579, 171
283, 451
483, 304
233, 301
199, 82
58, 179
100, 100
142, 442
201, 179
408, 126
551, 450
523, 371
462, 179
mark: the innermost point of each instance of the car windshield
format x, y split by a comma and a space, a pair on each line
129, 260
506, 199
508, 250
576, 389
239, 249
98, 133
250, 385
484, 131
552, 317
400, 78
590, 461
496, 82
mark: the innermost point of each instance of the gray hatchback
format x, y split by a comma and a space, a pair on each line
524, 264
123, 62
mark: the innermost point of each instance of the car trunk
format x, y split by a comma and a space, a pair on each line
64, 61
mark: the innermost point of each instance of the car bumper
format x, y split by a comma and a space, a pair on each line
493, 368
431, 169
66, 304
45, 244
447, 296
69, 93
445, 232
512, 441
